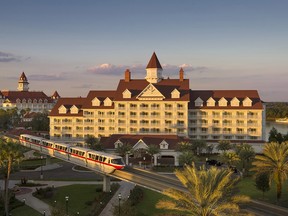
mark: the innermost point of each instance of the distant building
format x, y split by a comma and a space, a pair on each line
161, 106
23, 99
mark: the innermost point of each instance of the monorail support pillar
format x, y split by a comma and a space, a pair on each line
48, 160
106, 183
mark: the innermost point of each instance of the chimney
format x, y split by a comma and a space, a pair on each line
181, 75
127, 75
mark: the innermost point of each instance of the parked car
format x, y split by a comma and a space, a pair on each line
214, 162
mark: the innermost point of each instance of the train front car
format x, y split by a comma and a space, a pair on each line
30, 141
117, 162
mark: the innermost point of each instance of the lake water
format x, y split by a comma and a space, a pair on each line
281, 127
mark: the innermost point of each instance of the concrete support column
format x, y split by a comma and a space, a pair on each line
176, 158
127, 159
155, 159
48, 160
106, 183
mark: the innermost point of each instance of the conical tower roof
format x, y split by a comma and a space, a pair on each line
23, 77
154, 62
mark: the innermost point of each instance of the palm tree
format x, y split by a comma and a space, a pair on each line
209, 193
246, 154
274, 161
124, 150
9, 155
152, 150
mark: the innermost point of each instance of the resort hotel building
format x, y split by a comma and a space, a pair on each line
162, 109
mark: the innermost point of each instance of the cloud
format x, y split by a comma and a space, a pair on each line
115, 70
8, 57
42, 77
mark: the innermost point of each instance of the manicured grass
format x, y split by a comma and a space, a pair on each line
82, 198
34, 163
148, 205
247, 187
25, 210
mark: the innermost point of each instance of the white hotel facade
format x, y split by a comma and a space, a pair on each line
161, 106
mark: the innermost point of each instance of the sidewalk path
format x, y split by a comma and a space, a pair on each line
124, 189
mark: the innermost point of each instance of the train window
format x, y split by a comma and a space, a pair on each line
100, 158
117, 161
104, 159
97, 157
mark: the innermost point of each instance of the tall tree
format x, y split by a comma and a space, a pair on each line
124, 150
187, 157
274, 161
152, 150
10, 154
40, 122
224, 145
209, 193
246, 154
93, 143
262, 182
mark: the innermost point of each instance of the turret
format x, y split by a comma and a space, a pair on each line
154, 70
23, 84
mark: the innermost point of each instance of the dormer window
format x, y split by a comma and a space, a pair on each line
222, 102
34, 101
235, 102
126, 94
210, 102
96, 102
164, 145
118, 144
107, 102
62, 109
29, 101
247, 102
18, 100
175, 93
198, 102
74, 109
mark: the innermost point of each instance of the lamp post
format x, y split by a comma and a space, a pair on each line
67, 199
41, 173
119, 198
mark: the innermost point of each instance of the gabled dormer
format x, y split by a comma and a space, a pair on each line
107, 102
198, 102
62, 109
140, 145
235, 102
210, 102
118, 144
247, 102
74, 109
222, 102
96, 102
175, 93
164, 145
150, 93
126, 94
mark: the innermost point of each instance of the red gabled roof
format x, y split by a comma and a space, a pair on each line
154, 62
228, 95
101, 95
68, 103
14, 95
165, 86
172, 140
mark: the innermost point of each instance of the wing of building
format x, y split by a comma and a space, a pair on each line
160, 106
23, 99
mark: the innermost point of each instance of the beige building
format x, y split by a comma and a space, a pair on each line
160, 106
23, 99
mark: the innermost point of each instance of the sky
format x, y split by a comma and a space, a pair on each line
75, 46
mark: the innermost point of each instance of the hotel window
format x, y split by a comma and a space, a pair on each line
121, 106
121, 114
144, 106
132, 106
133, 114
133, 122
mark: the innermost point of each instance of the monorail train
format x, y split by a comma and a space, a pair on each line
94, 160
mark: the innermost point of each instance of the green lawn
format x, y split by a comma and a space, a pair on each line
247, 187
82, 198
25, 210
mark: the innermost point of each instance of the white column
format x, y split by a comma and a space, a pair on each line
106, 183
